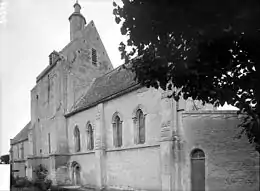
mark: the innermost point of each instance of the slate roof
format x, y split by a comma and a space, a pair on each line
114, 82
22, 135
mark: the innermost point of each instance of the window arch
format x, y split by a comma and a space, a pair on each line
198, 170
117, 130
90, 137
140, 126
77, 139
197, 154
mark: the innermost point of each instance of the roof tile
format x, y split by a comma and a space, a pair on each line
107, 85
22, 135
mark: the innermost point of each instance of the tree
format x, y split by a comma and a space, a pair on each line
207, 50
5, 159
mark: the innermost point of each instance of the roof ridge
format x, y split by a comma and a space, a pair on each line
110, 71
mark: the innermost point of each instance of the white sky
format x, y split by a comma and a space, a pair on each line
29, 31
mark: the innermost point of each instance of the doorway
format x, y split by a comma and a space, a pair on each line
197, 170
75, 173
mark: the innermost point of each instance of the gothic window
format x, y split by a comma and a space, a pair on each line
94, 57
140, 122
117, 131
77, 139
90, 137
197, 170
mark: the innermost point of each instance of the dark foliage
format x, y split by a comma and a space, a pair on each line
12, 179
42, 182
5, 159
208, 50
21, 182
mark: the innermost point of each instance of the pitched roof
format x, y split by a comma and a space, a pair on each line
22, 135
114, 82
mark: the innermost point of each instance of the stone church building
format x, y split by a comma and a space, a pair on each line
95, 126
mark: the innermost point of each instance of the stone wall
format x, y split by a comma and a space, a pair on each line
135, 165
46, 103
231, 163
134, 168
19, 160
78, 57
81, 120
88, 172
149, 101
18, 168
108, 166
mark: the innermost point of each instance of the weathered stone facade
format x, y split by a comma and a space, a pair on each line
20, 150
80, 87
231, 163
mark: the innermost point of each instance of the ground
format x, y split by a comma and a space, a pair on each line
56, 189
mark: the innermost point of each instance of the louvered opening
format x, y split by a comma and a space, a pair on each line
94, 57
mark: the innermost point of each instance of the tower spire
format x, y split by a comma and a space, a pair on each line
77, 20
77, 7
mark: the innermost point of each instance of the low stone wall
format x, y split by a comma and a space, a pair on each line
230, 163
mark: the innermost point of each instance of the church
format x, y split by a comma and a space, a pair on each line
95, 126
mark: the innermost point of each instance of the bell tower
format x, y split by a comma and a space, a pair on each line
77, 21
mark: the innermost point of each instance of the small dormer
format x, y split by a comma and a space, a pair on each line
53, 57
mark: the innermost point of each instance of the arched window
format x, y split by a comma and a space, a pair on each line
140, 122
77, 139
90, 137
117, 131
197, 170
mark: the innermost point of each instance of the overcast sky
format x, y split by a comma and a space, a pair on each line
29, 31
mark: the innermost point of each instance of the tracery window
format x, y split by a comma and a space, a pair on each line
90, 137
117, 131
77, 139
